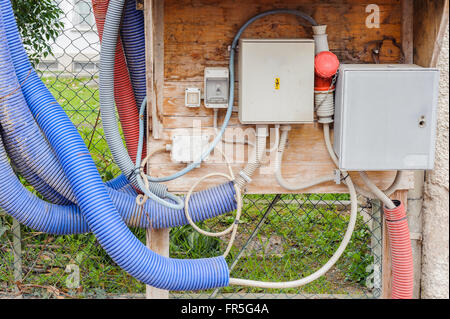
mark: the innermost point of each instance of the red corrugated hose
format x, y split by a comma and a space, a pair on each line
401, 252
123, 90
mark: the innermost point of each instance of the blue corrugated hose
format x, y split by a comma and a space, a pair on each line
92, 195
26, 145
132, 33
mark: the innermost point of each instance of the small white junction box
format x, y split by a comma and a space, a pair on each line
386, 117
276, 81
188, 149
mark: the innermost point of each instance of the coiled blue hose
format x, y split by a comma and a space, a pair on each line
157, 192
92, 196
28, 145
132, 33
42, 216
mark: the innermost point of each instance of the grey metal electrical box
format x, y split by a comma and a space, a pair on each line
276, 81
386, 117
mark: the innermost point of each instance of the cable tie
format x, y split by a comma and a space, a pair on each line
344, 179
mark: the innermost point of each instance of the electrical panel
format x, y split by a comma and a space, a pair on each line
386, 117
217, 87
276, 81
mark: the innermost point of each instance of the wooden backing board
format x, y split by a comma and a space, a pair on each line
197, 34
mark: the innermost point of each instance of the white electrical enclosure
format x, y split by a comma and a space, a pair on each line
386, 117
217, 87
276, 81
188, 149
193, 97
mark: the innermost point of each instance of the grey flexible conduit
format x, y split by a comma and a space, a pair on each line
108, 110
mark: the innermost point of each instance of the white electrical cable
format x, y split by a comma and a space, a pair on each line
278, 165
398, 178
216, 115
377, 192
389, 191
246, 142
233, 228
347, 237
143, 198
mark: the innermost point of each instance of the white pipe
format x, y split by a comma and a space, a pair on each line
320, 38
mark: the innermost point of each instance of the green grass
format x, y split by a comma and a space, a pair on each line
307, 235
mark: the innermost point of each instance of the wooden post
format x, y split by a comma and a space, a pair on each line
154, 34
157, 240
430, 23
408, 30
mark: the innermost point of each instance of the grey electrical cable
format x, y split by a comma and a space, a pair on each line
157, 192
337, 255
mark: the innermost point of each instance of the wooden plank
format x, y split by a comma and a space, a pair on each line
154, 32
158, 48
430, 22
198, 36
157, 240
408, 30
306, 158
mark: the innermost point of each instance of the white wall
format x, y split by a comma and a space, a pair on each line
435, 258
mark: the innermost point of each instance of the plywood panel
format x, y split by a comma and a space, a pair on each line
198, 34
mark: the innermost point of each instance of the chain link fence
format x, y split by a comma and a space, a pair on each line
281, 237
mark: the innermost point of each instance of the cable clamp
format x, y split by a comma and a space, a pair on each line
337, 174
245, 177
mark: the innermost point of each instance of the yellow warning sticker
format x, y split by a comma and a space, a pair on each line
277, 83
